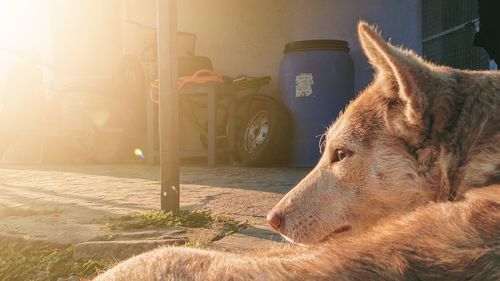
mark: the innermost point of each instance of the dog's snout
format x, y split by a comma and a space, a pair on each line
276, 221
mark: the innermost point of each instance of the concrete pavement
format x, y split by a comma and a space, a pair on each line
70, 204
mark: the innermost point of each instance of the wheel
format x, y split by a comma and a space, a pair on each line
263, 132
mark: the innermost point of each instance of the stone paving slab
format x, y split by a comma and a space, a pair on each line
171, 233
256, 237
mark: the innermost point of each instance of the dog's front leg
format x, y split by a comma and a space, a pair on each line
176, 263
169, 263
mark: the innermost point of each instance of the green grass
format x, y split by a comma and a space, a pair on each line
193, 219
40, 261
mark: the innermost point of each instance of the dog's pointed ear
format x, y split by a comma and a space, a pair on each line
404, 76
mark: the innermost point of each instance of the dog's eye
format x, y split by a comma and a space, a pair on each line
340, 154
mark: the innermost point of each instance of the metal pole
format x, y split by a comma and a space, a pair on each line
169, 104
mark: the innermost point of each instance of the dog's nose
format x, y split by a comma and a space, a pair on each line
275, 220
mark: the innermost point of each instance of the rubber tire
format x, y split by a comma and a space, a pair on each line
275, 148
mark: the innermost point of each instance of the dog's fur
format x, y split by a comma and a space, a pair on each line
419, 136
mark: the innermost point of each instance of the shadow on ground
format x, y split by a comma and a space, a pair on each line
278, 180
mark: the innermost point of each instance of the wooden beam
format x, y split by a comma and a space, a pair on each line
169, 104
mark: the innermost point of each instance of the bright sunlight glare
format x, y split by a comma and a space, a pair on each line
25, 25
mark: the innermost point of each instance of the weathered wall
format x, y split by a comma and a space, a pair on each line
240, 36
326, 19
248, 36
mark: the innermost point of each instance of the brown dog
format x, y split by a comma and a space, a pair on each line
418, 137
418, 133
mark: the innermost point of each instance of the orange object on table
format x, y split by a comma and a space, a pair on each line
196, 78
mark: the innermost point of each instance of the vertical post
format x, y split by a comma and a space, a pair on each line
169, 104
211, 136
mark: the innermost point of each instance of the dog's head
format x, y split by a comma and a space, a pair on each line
370, 168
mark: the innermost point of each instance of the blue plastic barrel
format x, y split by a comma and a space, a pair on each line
316, 80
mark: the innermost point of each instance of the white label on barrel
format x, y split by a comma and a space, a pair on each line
303, 85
